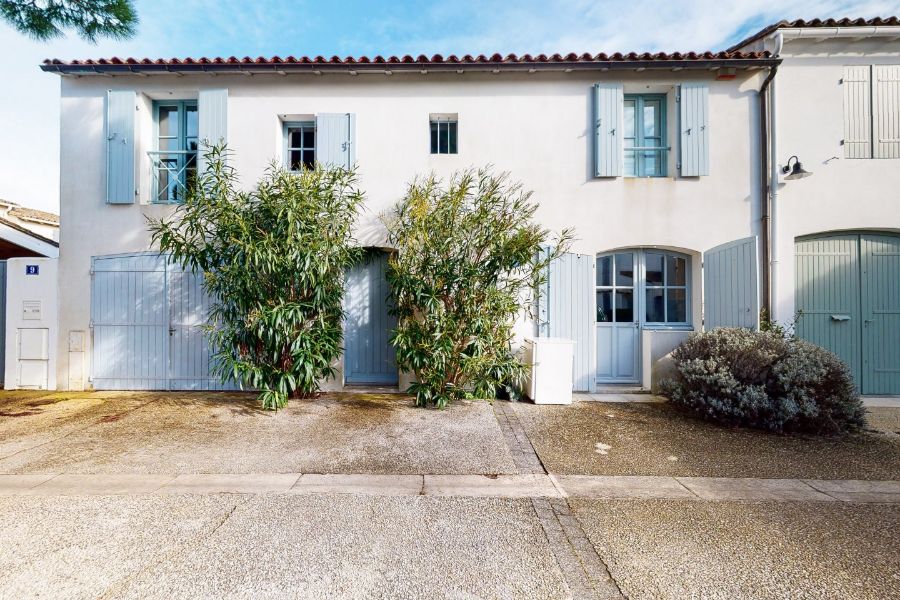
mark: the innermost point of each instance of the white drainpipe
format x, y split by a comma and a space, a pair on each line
773, 187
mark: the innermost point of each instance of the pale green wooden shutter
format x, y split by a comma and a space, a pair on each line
694, 134
212, 108
566, 310
827, 296
886, 110
731, 285
608, 108
335, 140
120, 132
880, 294
857, 112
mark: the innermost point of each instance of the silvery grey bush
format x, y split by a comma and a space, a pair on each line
764, 379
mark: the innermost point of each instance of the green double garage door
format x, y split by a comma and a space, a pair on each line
848, 300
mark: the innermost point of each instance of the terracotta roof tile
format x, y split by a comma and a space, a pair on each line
116, 64
800, 24
33, 214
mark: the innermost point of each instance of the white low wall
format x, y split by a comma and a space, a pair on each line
31, 322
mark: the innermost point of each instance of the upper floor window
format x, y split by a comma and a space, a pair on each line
444, 135
300, 145
174, 154
644, 138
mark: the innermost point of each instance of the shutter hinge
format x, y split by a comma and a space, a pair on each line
91, 325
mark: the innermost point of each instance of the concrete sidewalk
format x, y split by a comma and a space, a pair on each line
496, 486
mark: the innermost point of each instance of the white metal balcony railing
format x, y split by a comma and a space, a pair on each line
646, 161
172, 172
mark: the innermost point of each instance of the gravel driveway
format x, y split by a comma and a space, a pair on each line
657, 439
228, 433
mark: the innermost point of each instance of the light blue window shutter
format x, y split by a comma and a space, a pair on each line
212, 106
694, 129
886, 110
731, 285
120, 131
609, 100
857, 85
566, 310
335, 139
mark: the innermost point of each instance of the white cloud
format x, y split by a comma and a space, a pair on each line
533, 26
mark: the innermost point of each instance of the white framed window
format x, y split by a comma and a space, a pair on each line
444, 134
299, 145
175, 147
646, 286
644, 139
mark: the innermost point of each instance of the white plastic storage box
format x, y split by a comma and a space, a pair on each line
549, 361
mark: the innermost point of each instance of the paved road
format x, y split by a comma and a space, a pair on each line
196, 496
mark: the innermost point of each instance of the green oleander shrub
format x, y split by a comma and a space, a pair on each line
274, 259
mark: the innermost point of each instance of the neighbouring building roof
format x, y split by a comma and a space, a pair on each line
33, 214
437, 62
19, 241
802, 24
24, 213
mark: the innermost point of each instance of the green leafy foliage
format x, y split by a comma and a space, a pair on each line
90, 18
766, 323
468, 262
764, 379
274, 260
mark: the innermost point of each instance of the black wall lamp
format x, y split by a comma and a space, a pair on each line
797, 171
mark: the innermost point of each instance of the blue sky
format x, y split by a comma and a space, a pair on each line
29, 114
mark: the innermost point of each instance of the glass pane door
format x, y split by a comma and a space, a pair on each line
618, 334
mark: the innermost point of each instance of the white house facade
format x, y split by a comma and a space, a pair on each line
660, 163
835, 251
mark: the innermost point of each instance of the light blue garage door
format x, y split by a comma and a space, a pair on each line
848, 297
146, 319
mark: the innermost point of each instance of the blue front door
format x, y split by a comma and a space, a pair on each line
368, 355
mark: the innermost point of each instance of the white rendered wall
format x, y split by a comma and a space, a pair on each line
842, 194
538, 127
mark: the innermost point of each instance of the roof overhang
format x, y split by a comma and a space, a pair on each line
891, 32
29, 240
316, 68
819, 30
